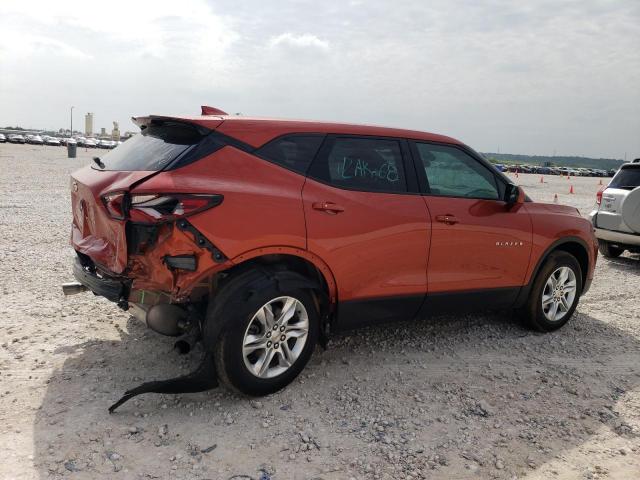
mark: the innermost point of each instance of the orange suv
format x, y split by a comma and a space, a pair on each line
262, 236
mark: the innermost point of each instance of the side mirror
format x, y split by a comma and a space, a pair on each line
514, 195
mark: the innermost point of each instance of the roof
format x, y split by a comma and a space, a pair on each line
257, 131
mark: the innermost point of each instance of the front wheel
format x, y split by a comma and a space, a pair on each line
555, 292
268, 337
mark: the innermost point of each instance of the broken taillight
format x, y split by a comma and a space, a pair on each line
157, 207
154, 208
115, 203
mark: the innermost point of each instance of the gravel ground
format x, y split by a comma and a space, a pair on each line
471, 396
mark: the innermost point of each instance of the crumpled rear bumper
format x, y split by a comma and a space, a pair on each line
113, 289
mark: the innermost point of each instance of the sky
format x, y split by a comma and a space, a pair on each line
533, 77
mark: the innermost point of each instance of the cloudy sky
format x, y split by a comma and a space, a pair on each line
530, 77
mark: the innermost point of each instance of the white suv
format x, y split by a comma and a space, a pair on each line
616, 219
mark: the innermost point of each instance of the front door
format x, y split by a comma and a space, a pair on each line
372, 233
478, 243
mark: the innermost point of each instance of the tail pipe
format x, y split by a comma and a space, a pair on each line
72, 288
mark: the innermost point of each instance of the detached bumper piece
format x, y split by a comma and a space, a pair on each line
110, 288
202, 379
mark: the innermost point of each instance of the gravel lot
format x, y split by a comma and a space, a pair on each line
456, 397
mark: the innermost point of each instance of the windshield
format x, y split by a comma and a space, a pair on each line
628, 178
152, 149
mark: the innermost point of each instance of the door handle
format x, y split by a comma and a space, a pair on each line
328, 207
447, 219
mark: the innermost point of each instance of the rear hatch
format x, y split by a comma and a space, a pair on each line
99, 190
610, 211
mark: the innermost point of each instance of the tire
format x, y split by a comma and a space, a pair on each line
609, 251
538, 316
240, 306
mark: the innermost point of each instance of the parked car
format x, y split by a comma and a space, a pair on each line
90, 143
264, 236
16, 138
3, 139
616, 218
34, 140
53, 141
106, 144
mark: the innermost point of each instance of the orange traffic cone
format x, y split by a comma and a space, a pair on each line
541, 179
571, 189
600, 183
555, 198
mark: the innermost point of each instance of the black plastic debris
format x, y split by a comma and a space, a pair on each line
202, 379
209, 449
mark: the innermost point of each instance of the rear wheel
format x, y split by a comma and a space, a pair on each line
608, 250
268, 337
555, 292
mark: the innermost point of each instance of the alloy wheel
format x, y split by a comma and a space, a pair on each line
559, 294
275, 337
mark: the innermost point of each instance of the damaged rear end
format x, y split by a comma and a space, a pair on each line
140, 250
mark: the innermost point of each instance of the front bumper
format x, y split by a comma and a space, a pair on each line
112, 289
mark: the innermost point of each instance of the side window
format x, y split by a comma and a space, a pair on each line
452, 173
294, 152
367, 164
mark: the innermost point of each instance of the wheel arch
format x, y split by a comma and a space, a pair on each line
289, 268
575, 246
295, 259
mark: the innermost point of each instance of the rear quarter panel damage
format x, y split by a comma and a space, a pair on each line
262, 206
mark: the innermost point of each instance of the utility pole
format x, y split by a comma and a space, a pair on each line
71, 134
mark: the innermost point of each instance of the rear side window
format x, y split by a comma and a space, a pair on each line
154, 148
294, 152
452, 173
366, 164
627, 178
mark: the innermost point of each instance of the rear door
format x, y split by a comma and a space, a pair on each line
371, 230
477, 243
